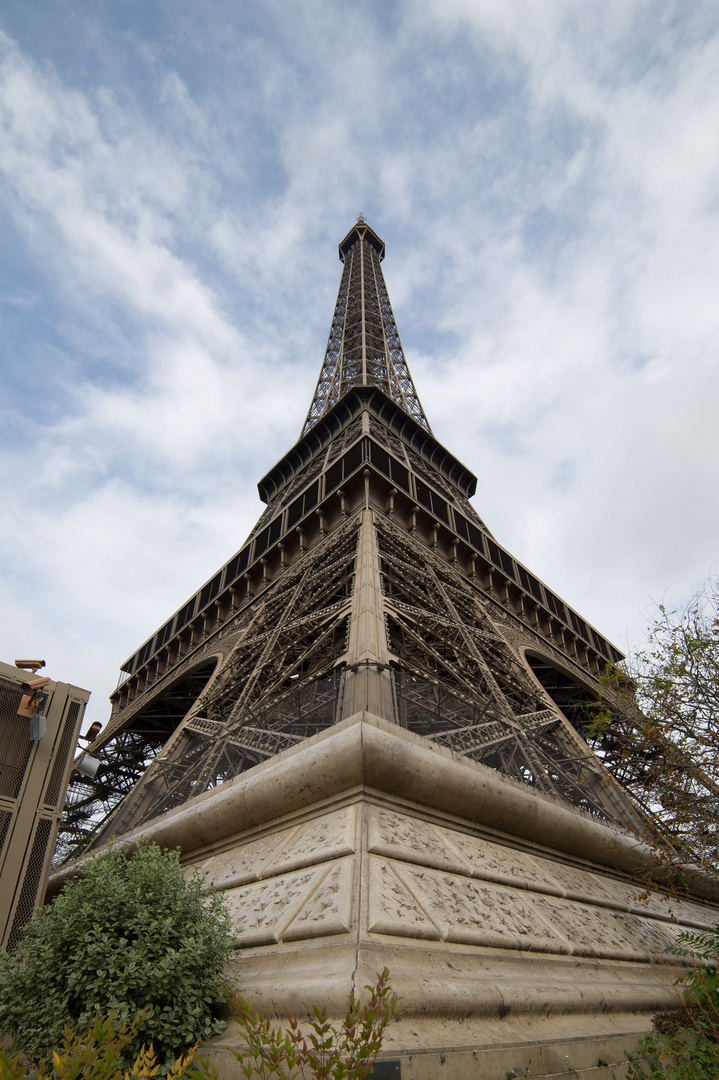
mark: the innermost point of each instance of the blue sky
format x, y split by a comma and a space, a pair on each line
174, 179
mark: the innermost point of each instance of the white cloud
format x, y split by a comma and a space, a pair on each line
545, 175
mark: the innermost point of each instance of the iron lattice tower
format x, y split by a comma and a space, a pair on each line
363, 347
369, 582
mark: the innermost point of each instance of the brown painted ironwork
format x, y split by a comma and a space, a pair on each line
369, 582
364, 348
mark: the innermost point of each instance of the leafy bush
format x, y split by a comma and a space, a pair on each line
684, 1044
328, 1053
347, 1053
131, 934
680, 1048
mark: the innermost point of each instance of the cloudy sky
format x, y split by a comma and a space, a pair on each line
174, 180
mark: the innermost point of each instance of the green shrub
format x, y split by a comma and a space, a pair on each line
130, 935
99, 1054
346, 1052
684, 1044
680, 1048
326, 1053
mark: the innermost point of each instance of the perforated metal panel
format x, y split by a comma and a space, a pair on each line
55, 794
5, 819
31, 882
15, 743
33, 777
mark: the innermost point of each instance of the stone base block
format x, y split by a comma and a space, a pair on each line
544, 1048
520, 934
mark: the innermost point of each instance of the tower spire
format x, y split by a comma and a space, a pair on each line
364, 348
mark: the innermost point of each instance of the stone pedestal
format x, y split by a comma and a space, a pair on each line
517, 931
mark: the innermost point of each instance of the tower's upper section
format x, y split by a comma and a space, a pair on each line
363, 347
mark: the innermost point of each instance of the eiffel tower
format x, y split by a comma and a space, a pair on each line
369, 582
370, 727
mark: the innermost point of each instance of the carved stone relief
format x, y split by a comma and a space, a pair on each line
649, 935
318, 840
579, 884
407, 838
434, 883
242, 864
392, 908
692, 914
503, 865
590, 931
412, 901
696, 913
479, 913
307, 904
402, 837
262, 910
328, 910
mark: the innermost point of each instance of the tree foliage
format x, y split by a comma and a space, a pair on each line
130, 935
684, 1044
658, 728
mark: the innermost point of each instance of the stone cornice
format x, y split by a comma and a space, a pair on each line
366, 753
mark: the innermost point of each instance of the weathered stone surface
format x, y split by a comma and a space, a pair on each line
329, 909
406, 837
507, 922
305, 904
328, 837
588, 930
392, 908
317, 840
505, 864
479, 913
262, 910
